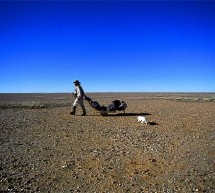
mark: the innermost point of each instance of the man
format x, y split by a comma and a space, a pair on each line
79, 95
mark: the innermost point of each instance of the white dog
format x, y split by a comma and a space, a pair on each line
142, 119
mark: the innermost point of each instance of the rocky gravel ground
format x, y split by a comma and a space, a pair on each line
44, 149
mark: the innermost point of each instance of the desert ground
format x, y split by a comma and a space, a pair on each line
45, 149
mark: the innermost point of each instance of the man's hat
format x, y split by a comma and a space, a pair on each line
77, 81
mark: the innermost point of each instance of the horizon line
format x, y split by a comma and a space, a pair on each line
110, 92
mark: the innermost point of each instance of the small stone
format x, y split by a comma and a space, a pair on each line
154, 160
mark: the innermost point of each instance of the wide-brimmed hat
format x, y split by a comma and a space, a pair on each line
77, 81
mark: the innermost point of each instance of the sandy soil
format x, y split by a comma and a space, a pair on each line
44, 149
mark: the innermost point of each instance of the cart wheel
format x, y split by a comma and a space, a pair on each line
103, 113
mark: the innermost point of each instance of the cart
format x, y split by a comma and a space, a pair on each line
115, 106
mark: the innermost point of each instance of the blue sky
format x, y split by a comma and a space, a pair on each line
110, 46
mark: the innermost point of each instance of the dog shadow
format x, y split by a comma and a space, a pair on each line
127, 114
152, 123
134, 114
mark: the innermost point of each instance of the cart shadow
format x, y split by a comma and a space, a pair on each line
127, 114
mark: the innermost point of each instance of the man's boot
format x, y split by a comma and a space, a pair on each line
84, 111
73, 111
